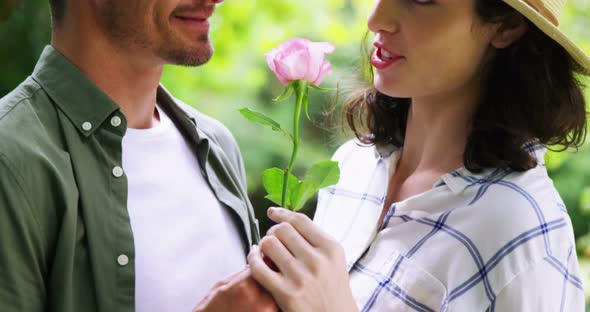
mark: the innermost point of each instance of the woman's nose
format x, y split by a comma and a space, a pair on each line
384, 16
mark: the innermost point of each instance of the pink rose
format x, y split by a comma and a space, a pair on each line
300, 59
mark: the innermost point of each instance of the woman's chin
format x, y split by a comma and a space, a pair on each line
391, 90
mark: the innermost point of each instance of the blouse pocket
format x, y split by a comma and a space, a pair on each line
395, 284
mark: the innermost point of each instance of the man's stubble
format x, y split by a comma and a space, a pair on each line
120, 22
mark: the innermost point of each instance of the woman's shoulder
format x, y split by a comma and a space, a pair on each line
354, 153
514, 197
511, 222
491, 232
352, 148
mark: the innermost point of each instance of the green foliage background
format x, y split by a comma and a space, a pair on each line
237, 77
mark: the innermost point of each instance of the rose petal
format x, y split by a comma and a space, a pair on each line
300, 59
270, 57
317, 51
316, 59
284, 80
325, 70
293, 66
293, 45
298, 65
327, 47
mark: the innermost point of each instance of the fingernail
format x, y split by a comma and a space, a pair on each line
270, 210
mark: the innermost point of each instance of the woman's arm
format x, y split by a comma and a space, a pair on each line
312, 274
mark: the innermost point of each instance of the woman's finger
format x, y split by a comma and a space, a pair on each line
274, 249
264, 275
303, 225
293, 241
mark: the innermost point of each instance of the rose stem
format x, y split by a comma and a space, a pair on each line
301, 87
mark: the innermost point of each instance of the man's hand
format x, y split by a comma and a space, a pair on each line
238, 292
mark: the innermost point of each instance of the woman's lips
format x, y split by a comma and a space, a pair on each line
383, 58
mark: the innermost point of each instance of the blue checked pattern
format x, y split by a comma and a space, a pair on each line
495, 241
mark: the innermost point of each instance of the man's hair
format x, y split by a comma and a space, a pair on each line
531, 93
58, 8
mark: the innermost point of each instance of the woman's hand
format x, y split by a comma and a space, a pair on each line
312, 274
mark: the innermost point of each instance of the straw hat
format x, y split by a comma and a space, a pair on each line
545, 15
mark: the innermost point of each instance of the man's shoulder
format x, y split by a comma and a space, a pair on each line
13, 103
28, 129
17, 117
211, 127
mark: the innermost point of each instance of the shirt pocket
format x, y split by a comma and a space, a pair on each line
395, 284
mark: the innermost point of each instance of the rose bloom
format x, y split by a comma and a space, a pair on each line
300, 59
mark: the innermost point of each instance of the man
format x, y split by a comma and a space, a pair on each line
114, 196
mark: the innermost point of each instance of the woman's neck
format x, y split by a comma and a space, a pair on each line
437, 132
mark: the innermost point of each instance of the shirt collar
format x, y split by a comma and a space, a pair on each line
461, 179
384, 150
78, 97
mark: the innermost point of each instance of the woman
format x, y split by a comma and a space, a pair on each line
450, 207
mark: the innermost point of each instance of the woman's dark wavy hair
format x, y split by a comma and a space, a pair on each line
531, 93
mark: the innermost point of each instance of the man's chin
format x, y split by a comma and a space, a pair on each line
188, 57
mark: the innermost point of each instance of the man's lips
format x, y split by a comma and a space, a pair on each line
194, 16
200, 21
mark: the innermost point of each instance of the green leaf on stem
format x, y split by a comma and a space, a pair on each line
322, 89
320, 175
324, 173
302, 193
306, 103
272, 180
263, 120
286, 93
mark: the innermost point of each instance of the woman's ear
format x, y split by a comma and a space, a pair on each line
509, 31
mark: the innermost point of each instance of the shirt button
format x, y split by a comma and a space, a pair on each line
116, 121
87, 126
118, 172
123, 260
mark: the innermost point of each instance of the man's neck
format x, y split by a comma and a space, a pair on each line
128, 77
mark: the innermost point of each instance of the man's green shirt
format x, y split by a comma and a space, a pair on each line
65, 234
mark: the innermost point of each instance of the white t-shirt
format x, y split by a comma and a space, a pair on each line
185, 240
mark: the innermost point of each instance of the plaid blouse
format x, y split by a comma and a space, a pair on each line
495, 241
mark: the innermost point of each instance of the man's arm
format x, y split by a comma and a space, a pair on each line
21, 270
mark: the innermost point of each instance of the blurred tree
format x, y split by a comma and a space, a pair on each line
6, 9
23, 35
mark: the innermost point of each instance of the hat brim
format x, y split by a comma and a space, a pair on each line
578, 55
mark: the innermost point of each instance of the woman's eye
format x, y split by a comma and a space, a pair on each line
423, 2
